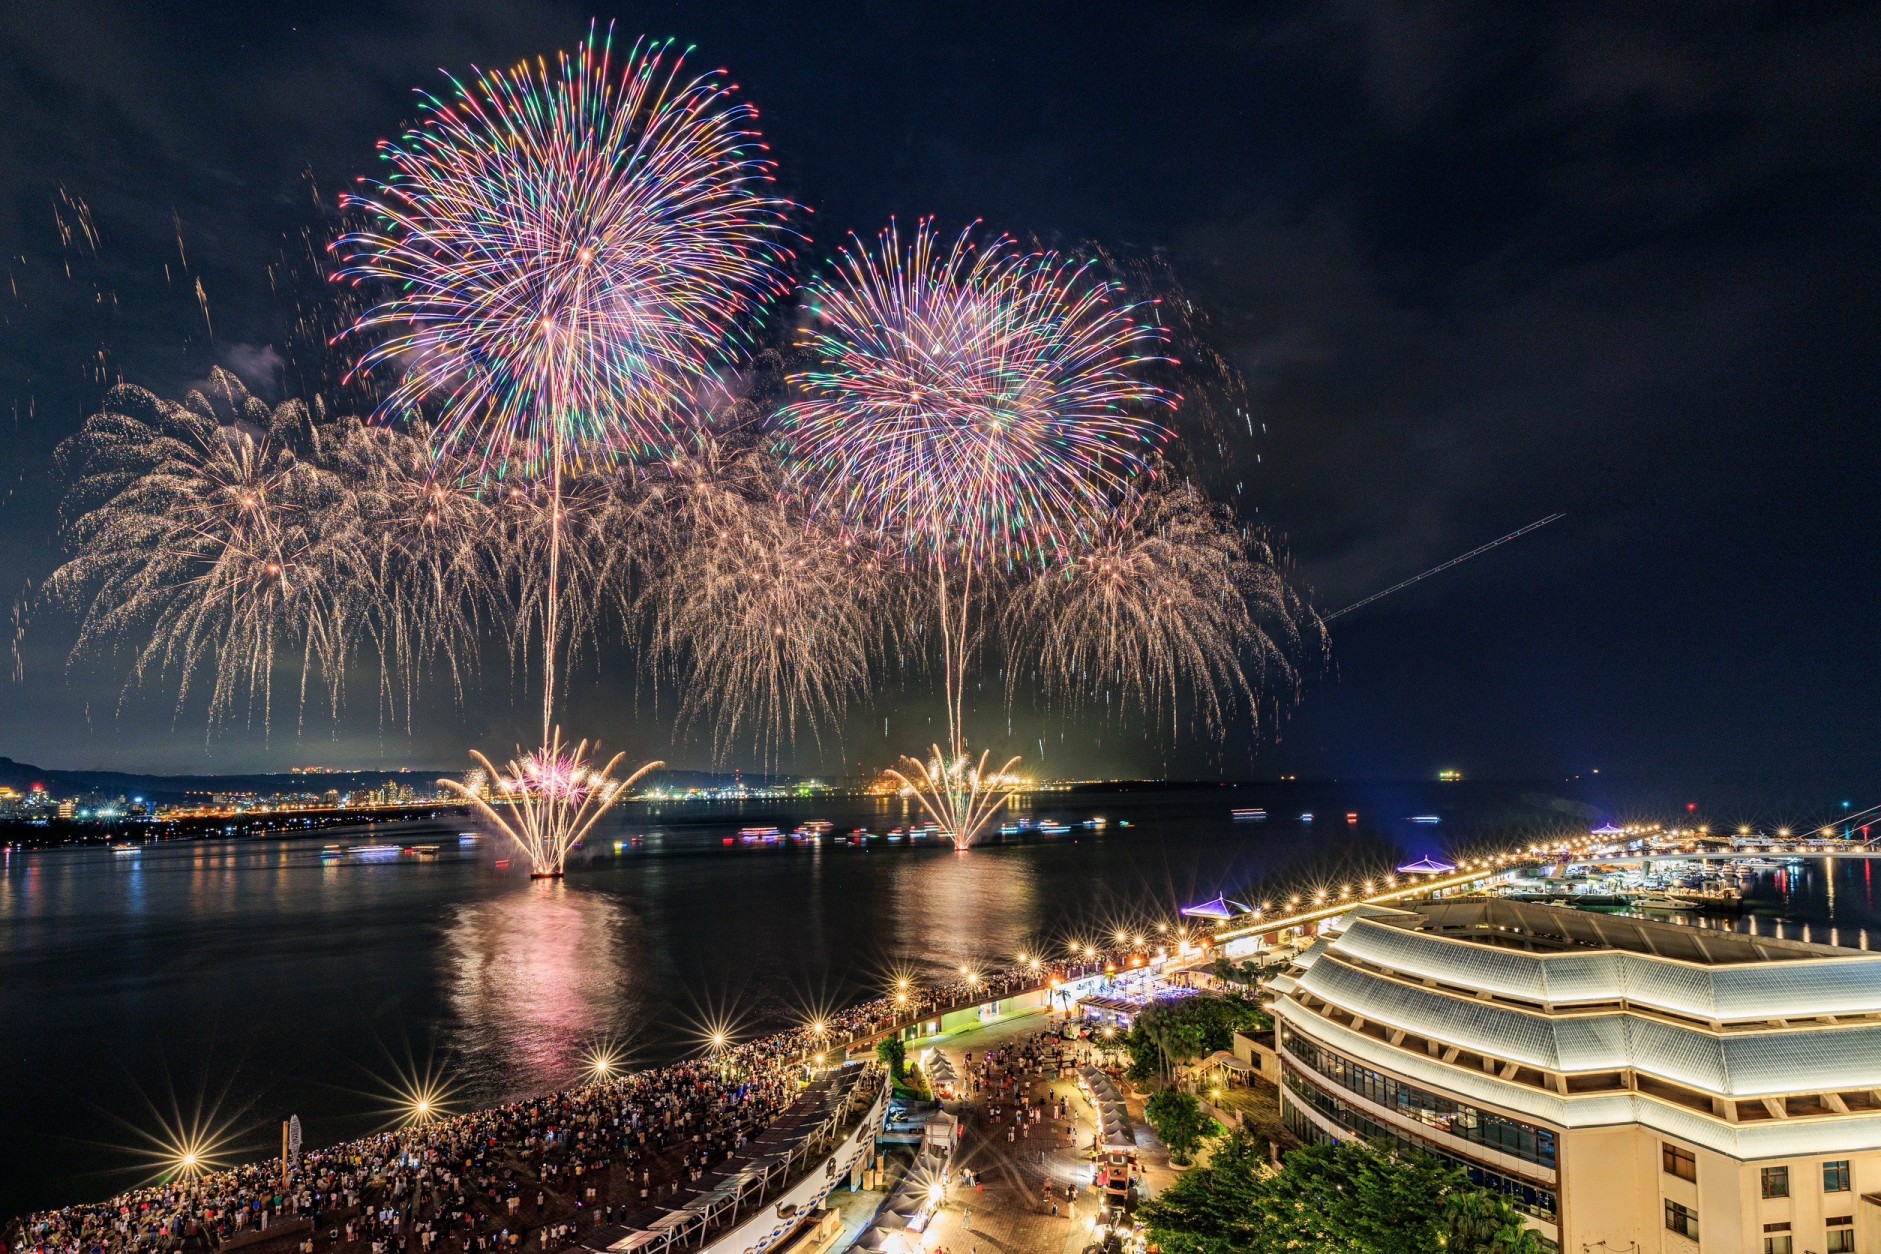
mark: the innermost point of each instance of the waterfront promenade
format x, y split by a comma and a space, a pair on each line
534, 1174
1021, 1179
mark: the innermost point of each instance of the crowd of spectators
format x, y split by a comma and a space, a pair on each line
525, 1177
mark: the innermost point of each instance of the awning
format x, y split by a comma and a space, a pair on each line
1217, 907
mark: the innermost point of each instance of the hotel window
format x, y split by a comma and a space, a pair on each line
1680, 1163
1522, 1194
1835, 1176
1778, 1245
1776, 1181
1458, 1119
1841, 1241
1682, 1220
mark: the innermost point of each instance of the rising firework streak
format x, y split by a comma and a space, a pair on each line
1455, 561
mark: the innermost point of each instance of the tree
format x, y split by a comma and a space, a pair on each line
1479, 1222
1165, 1036
1347, 1198
1211, 1210
1179, 1120
894, 1056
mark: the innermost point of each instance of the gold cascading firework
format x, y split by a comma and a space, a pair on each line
957, 793
550, 799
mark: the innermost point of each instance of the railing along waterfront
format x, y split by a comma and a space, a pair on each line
778, 1159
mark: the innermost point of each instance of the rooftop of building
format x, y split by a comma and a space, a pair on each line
1542, 929
1484, 960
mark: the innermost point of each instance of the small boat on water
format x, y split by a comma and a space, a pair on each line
1011, 829
1426, 819
1306, 817
421, 851
1660, 901
124, 851
759, 835
1248, 813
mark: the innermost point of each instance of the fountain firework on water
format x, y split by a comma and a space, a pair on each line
550, 799
960, 795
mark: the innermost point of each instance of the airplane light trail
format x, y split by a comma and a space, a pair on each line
1455, 561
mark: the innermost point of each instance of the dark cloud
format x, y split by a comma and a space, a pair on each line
1478, 262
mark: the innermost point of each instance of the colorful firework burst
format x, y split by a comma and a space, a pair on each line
571, 247
983, 407
977, 403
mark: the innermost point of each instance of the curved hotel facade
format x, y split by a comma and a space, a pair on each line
1628, 1085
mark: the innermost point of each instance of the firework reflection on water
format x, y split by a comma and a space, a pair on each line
533, 978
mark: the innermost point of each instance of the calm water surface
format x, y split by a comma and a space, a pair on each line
234, 982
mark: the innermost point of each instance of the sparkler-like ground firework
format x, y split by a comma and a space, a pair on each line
548, 800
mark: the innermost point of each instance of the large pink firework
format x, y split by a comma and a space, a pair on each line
570, 250
986, 408
977, 402
570, 247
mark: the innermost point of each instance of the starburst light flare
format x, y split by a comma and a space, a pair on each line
549, 800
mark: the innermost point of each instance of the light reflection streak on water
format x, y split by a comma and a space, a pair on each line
532, 976
962, 909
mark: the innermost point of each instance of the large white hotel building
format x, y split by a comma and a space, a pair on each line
1628, 1085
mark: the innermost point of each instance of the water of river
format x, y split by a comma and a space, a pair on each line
229, 983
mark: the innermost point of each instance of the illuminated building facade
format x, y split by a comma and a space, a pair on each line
1626, 1084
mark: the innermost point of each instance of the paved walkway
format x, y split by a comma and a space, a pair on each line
1009, 1212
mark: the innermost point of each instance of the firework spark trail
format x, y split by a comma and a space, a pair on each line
572, 250
1172, 597
201, 528
763, 616
981, 407
1517, 534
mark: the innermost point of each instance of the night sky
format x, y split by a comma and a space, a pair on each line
1479, 263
